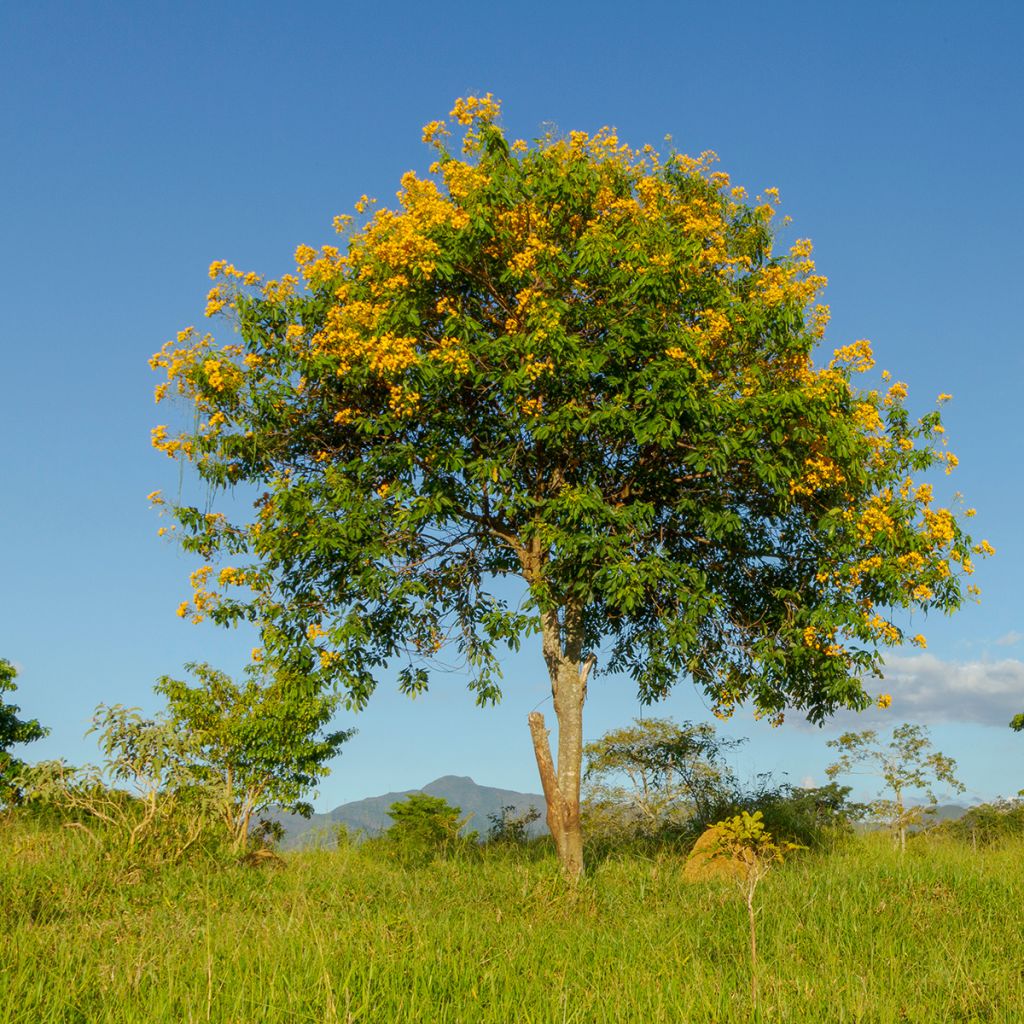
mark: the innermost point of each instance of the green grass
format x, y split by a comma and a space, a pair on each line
855, 935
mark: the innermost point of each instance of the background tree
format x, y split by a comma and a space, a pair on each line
907, 762
656, 772
585, 367
1017, 723
426, 827
13, 730
258, 744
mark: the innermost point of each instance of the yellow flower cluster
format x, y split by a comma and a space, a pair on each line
857, 356
537, 367
221, 268
434, 130
319, 268
525, 261
866, 416
896, 393
402, 402
884, 630
824, 641
875, 518
819, 472
171, 446
475, 108
221, 375
462, 179
450, 352
279, 291
940, 526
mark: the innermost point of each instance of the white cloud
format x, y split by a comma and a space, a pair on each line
928, 690
1010, 639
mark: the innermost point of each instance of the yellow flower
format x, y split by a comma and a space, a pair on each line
896, 393
433, 130
215, 302
480, 108
257, 654
884, 701
182, 609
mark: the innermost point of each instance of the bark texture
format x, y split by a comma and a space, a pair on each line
561, 780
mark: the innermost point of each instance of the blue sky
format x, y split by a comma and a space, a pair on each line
143, 141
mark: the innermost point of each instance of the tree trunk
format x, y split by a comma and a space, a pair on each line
901, 811
561, 785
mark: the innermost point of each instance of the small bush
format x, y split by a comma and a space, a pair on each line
425, 828
511, 828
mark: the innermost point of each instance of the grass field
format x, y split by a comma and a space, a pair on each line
858, 934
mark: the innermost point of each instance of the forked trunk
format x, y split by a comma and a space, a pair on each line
562, 783
563, 808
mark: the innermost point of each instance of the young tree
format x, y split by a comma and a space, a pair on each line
585, 367
256, 745
657, 771
13, 730
755, 852
906, 763
426, 826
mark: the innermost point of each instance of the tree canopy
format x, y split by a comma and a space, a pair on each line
657, 771
13, 730
259, 744
907, 762
585, 366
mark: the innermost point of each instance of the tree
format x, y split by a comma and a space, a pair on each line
754, 851
585, 368
1017, 723
906, 763
656, 771
426, 826
13, 730
256, 745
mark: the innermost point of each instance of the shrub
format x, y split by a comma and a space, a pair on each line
986, 825
509, 827
425, 827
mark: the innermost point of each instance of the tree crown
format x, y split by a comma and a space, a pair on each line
585, 366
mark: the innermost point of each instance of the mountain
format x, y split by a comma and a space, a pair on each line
370, 815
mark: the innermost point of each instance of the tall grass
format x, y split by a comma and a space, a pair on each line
857, 934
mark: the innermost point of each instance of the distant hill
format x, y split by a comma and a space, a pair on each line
370, 815
943, 812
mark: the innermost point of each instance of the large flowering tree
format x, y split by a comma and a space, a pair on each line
586, 367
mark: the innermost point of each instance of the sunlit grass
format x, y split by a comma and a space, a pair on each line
859, 934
